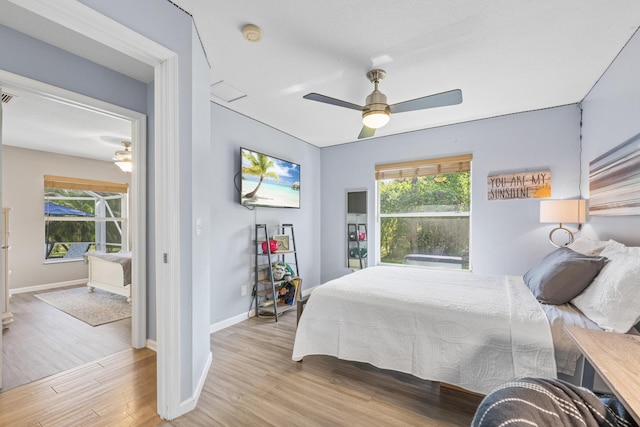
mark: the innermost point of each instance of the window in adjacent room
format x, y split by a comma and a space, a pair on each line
424, 212
81, 215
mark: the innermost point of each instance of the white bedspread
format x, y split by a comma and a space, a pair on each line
476, 332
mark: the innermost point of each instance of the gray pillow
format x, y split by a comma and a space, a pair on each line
562, 275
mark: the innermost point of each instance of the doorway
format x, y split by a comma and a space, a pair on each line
136, 125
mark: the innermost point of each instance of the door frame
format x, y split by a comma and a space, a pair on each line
83, 20
137, 216
4, 283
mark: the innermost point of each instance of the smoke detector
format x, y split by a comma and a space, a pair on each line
252, 33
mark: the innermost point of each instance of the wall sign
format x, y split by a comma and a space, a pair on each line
519, 185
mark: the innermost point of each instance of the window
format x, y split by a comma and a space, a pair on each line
424, 212
81, 214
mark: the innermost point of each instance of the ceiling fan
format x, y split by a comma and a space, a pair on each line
377, 113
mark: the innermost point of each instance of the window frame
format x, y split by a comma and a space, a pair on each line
101, 209
420, 168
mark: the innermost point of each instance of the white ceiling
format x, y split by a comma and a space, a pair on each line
39, 123
506, 56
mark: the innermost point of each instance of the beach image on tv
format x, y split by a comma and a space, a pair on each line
269, 181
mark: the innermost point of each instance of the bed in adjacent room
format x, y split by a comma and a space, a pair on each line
473, 331
110, 272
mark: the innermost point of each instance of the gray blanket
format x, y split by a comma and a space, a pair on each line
547, 402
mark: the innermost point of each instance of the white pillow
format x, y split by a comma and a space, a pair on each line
588, 247
612, 300
617, 247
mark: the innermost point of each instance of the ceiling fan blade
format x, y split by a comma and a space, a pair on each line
332, 101
451, 97
366, 132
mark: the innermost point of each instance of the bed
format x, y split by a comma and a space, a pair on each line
110, 272
472, 331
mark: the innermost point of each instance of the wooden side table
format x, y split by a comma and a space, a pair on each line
616, 358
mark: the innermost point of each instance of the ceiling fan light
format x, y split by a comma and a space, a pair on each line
123, 157
125, 165
375, 119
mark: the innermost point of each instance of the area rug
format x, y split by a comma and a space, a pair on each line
95, 308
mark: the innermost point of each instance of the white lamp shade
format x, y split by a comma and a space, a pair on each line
563, 211
375, 119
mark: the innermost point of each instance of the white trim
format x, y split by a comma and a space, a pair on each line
190, 403
138, 233
3, 266
52, 261
218, 326
167, 178
86, 21
67, 97
152, 345
47, 286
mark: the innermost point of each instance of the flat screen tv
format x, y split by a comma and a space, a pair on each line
268, 181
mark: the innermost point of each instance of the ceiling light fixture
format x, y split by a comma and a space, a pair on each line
375, 119
123, 158
376, 112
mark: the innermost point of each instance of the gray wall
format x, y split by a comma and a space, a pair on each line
232, 224
171, 27
22, 190
25, 56
611, 116
201, 160
506, 236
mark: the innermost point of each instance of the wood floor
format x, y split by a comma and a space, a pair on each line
43, 341
118, 390
252, 382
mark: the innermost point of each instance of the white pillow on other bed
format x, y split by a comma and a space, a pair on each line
612, 300
588, 247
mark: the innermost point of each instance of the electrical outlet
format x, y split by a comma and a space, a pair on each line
243, 291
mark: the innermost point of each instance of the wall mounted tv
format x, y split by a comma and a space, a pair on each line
268, 181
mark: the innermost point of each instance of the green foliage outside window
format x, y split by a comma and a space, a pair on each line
59, 235
429, 215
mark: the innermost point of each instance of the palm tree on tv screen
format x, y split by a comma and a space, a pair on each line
260, 165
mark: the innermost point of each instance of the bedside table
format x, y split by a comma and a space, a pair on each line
616, 358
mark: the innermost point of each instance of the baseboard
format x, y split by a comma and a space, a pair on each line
228, 322
244, 316
152, 345
190, 404
48, 286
